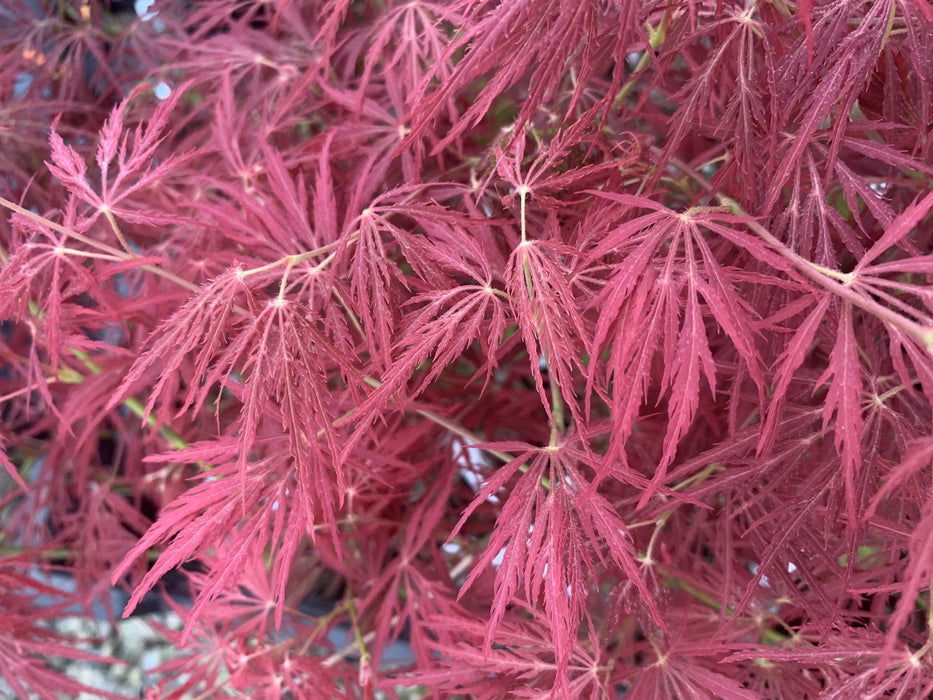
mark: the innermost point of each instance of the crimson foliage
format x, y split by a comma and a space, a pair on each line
584, 347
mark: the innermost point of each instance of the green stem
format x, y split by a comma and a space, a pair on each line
134, 405
137, 408
655, 39
557, 414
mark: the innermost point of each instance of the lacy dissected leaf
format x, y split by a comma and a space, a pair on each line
134, 160
665, 266
791, 358
828, 87
246, 508
685, 665
374, 281
896, 232
47, 284
916, 576
386, 160
897, 292
271, 217
440, 332
255, 666
899, 303
551, 324
24, 659
289, 364
819, 229
850, 658
283, 362
917, 459
409, 590
552, 176
419, 228
540, 36
27, 644
844, 400
200, 329
543, 542
410, 41
520, 665
372, 255
740, 67
679, 678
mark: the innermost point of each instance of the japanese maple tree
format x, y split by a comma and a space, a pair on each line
581, 349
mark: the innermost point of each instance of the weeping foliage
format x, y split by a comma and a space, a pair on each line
580, 349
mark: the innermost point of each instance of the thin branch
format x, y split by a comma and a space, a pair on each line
830, 280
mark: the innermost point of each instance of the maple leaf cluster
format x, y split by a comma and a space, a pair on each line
579, 349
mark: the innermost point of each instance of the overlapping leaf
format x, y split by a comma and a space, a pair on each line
665, 267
